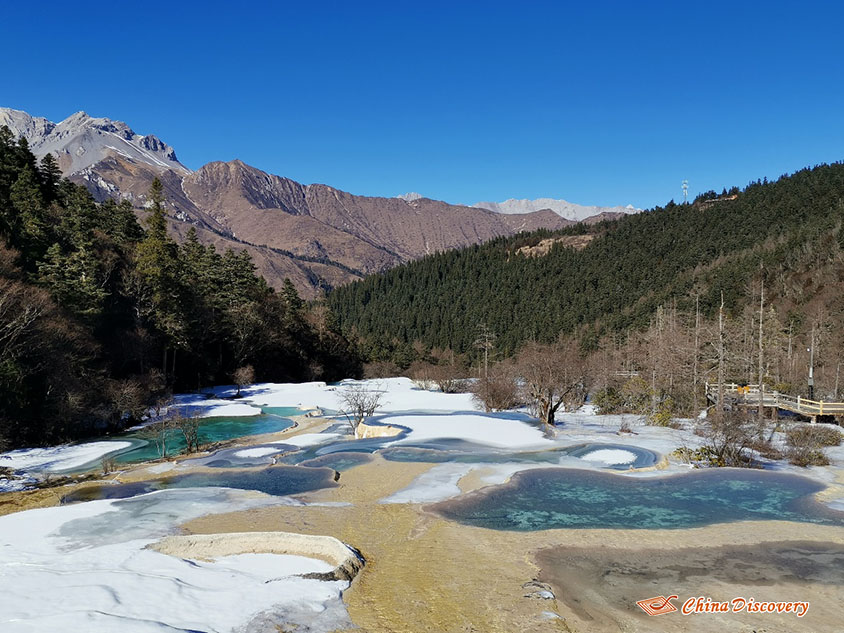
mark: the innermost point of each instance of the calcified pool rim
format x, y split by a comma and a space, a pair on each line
569, 498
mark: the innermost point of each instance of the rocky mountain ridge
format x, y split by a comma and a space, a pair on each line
563, 208
318, 236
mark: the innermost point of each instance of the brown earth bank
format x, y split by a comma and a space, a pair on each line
598, 587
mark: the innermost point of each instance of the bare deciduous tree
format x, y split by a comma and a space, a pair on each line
243, 376
485, 342
159, 431
551, 375
190, 431
129, 398
360, 402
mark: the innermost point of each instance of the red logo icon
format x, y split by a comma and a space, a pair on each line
659, 605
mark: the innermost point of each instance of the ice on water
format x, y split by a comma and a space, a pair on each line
85, 567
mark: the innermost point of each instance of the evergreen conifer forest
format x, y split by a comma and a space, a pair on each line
101, 315
625, 285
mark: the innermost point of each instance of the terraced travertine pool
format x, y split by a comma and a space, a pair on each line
211, 430
570, 498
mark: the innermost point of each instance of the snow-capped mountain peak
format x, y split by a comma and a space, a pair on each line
80, 141
563, 208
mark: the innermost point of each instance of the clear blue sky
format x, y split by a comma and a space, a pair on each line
596, 102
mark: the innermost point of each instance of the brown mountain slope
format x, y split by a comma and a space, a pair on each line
316, 235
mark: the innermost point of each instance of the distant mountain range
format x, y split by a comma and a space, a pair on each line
317, 236
563, 208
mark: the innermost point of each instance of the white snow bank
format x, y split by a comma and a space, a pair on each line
59, 458
399, 394
256, 452
85, 567
310, 439
437, 484
482, 429
197, 405
610, 456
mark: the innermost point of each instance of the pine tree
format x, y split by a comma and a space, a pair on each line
51, 177
157, 269
73, 280
293, 303
31, 227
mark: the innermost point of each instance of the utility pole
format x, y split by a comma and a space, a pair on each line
811, 351
761, 410
721, 356
697, 353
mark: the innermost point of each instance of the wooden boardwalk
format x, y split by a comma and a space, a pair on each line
749, 394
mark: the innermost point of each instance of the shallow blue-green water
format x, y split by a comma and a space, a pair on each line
338, 461
465, 452
569, 498
275, 480
214, 429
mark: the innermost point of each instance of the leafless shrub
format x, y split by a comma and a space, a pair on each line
421, 373
499, 390
380, 369
447, 378
807, 457
816, 435
730, 438
806, 443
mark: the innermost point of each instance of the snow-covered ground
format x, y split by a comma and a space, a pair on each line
85, 567
399, 394
56, 459
500, 430
256, 452
200, 406
430, 416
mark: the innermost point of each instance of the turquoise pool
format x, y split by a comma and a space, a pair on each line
568, 498
211, 430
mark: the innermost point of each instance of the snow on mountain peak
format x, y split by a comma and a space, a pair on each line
80, 141
563, 208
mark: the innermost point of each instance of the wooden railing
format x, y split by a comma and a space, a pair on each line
796, 404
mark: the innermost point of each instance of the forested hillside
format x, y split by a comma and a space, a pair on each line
100, 316
678, 257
